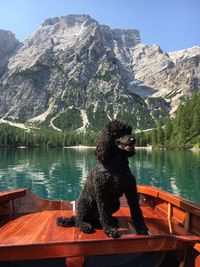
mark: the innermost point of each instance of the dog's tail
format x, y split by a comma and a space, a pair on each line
66, 221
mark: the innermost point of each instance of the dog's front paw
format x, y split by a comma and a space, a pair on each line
112, 232
86, 228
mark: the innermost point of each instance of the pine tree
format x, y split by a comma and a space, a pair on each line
195, 129
168, 130
160, 135
154, 137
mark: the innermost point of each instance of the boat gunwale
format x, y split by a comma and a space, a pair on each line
130, 237
182, 203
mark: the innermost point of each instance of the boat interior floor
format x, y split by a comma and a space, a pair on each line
39, 231
40, 227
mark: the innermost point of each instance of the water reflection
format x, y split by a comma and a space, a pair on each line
60, 173
175, 171
53, 173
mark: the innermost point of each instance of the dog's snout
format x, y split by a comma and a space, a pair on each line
132, 140
126, 139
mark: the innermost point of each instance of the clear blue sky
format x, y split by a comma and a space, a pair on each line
172, 24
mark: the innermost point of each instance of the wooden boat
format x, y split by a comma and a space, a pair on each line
28, 232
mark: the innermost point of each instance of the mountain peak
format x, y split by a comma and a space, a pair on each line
70, 20
73, 73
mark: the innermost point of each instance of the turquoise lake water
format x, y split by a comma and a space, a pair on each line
60, 173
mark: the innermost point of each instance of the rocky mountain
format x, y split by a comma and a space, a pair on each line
74, 73
8, 44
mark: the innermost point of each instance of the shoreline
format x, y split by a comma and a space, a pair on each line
80, 147
93, 147
148, 148
144, 147
195, 149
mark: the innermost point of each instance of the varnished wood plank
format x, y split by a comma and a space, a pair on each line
197, 261
41, 228
128, 243
32, 203
96, 247
126, 228
197, 247
75, 261
36, 228
169, 197
148, 190
36, 235
12, 194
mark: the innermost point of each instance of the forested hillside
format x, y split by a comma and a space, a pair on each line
15, 137
183, 131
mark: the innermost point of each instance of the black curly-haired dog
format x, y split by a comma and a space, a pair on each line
106, 183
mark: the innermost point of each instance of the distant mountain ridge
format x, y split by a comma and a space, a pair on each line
76, 74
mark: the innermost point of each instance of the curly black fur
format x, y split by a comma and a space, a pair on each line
106, 183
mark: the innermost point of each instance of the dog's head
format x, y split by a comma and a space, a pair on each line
115, 141
127, 144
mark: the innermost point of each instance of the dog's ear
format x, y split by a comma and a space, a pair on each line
104, 147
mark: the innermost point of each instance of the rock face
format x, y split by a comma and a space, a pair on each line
173, 77
73, 73
8, 44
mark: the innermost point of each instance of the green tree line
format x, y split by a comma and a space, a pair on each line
183, 131
14, 137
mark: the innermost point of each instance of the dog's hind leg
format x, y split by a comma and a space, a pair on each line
114, 222
86, 214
